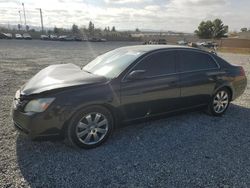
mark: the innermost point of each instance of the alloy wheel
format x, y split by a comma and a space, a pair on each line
220, 101
92, 128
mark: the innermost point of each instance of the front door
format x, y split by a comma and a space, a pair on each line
156, 92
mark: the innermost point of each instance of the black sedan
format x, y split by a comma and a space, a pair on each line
85, 104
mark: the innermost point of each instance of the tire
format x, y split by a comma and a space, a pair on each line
90, 127
219, 102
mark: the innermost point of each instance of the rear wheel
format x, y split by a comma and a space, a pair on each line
219, 102
90, 127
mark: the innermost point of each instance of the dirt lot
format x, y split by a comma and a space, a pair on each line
188, 150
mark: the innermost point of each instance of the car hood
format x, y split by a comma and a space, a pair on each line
59, 76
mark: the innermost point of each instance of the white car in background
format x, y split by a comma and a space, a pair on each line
44, 37
53, 37
27, 36
182, 42
18, 36
6, 35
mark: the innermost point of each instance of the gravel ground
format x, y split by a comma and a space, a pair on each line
188, 150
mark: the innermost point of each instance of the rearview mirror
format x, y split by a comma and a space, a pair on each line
136, 74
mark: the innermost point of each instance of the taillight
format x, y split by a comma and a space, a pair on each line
242, 72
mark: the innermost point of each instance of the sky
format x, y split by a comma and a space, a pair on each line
160, 15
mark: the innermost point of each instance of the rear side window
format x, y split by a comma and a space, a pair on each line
158, 64
222, 62
193, 61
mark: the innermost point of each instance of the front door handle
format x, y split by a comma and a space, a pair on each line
173, 82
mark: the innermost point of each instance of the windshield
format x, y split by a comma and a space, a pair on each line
113, 63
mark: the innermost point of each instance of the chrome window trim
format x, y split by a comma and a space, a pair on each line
162, 75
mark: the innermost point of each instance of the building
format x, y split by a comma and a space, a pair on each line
244, 35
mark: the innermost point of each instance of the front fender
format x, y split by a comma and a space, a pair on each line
101, 95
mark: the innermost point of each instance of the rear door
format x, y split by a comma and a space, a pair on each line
198, 76
157, 92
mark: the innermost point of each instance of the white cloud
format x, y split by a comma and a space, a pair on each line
124, 1
193, 11
178, 15
152, 7
203, 3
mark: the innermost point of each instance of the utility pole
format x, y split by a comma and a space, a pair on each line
41, 15
20, 19
24, 17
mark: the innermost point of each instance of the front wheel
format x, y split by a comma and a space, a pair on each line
219, 102
90, 127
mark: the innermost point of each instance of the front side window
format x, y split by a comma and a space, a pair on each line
157, 64
193, 61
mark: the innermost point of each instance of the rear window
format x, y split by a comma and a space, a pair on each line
193, 61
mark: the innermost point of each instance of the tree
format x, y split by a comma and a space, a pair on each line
49, 32
19, 26
32, 30
212, 29
75, 29
219, 29
243, 29
113, 29
137, 30
56, 30
27, 28
205, 29
91, 28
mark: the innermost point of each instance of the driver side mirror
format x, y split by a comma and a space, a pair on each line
136, 75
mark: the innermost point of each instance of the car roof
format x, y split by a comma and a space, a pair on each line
148, 48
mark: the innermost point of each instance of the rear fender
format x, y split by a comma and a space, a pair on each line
224, 85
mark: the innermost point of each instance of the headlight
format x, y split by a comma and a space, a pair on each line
38, 105
17, 95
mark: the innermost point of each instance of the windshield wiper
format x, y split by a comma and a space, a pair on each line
87, 71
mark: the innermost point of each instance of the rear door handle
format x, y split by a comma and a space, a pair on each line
211, 78
174, 82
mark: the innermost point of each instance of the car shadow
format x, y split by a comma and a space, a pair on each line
193, 150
